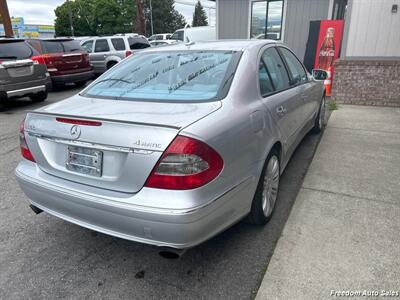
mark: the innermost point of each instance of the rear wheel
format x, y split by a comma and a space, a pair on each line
266, 194
39, 97
320, 119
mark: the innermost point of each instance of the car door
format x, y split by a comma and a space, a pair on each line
119, 47
304, 86
99, 55
278, 96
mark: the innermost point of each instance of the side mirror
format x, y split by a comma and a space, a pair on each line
319, 75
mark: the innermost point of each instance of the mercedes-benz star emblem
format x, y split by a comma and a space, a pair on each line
75, 132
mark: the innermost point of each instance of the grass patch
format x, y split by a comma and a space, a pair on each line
332, 105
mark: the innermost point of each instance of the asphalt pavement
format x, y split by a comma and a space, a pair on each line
42, 257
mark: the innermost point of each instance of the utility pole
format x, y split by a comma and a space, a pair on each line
6, 18
70, 18
140, 21
151, 18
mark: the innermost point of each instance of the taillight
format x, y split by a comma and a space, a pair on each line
39, 59
186, 164
128, 53
25, 152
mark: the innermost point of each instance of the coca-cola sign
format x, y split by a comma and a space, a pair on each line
327, 53
328, 45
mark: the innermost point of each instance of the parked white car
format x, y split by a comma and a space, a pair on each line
195, 34
160, 36
158, 43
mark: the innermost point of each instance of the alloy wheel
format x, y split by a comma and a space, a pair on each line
270, 186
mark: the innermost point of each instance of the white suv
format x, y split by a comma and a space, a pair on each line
107, 51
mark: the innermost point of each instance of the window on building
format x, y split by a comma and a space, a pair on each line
339, 9
266, 19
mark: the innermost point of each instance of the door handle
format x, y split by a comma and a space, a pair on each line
281, 110
303, 96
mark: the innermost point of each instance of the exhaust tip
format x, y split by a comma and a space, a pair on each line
171, 253
35, 209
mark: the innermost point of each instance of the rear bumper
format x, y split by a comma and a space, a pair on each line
71, 78
182, 228
25, 88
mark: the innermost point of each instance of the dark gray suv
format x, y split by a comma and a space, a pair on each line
23, 71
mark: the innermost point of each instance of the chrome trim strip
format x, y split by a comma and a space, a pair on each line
89, 144
25, 91
72, 54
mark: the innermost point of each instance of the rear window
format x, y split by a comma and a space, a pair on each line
70, 46
15, 50
164, 76
136, 43
118, 44
52, 47
61, 46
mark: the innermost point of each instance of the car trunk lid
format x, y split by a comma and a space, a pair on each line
120, 141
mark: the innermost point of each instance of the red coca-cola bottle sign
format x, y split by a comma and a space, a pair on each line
327, 50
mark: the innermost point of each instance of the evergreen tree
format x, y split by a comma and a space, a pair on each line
199, 15
165, 17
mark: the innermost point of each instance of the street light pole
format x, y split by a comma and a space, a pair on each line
6, 18
70, 17
151, 18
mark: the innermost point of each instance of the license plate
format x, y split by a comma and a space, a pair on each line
85, 161
20, 71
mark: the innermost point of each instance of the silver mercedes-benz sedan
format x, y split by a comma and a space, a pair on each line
173, 145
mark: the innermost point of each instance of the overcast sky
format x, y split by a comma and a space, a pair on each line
42, 11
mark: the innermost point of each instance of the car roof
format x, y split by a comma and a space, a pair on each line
10, 39
235, 45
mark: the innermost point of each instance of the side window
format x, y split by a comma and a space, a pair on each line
296, 69
118, 44
266, 86
101, 46
276, 69
88, 46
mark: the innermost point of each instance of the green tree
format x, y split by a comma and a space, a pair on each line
95, 17
165, 17
199, 16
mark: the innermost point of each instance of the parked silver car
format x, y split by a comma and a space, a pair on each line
173, 145
106, 51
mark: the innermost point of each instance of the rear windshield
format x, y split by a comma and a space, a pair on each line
138, 43
61, 46
167, 76
15, 50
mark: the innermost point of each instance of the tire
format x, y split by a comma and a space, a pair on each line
39, 97
111, 64
81, 83
264, 201
320, 119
